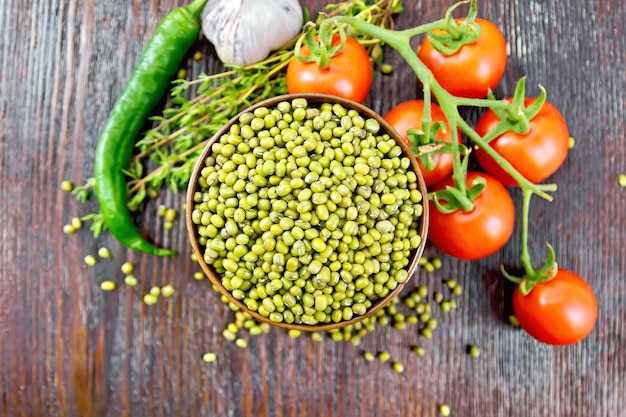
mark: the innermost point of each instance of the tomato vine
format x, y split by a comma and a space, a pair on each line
515, 115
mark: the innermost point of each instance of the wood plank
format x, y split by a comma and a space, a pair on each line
68, 349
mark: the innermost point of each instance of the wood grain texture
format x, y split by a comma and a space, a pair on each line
68, 349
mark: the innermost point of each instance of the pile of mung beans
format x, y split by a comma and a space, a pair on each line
308, 213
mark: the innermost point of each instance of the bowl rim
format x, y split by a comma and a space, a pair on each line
316, 98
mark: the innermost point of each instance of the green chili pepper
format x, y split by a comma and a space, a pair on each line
147, 85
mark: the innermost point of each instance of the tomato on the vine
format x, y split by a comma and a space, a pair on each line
536, 154
349, 74
474, 68
560, 311
408, 115
480, 232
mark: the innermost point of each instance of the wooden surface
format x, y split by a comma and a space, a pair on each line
69, 349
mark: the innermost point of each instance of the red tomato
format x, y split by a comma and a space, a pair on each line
474, 68
561, 311
349, 74
477, 233
536, 155
409, 114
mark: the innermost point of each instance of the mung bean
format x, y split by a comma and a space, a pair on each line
127, 268
444, 410
107, 285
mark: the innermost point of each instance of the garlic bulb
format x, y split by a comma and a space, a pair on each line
244, 32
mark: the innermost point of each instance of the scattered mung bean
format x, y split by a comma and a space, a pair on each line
474, 351
150, 299
130, 280
419, 351
90, 260
167, 290
77, 223
514, 320
107, 285
127, 268
398, 367
67, 186
444, 410
104, 253
571, 143
386, 69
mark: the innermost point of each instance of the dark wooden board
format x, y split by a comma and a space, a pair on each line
69, 349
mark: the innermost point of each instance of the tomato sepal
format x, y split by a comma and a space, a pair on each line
449, 40
459, 197
424, 135
547, 272
456, 199
549, 269
321, 45
516, 116
424, 146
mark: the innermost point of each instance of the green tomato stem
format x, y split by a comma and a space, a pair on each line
419, 30
532, 276
459, 173
525, 255
426, 116
482, 102
506, 165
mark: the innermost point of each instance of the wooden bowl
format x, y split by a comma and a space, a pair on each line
312, 99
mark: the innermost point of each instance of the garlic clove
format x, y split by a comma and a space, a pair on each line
244, 32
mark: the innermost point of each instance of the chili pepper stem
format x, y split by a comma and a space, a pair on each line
195, 7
